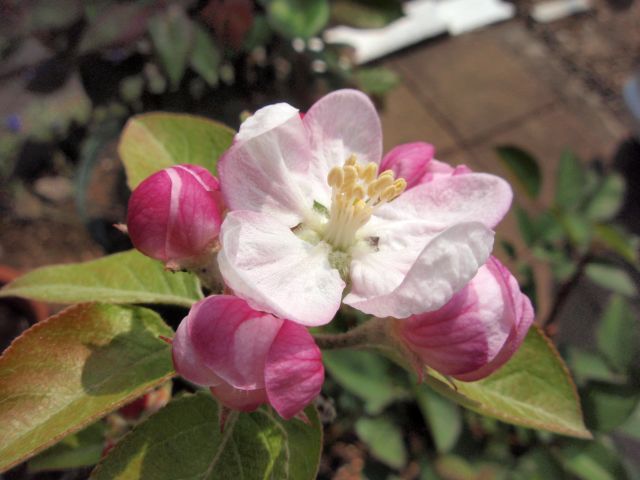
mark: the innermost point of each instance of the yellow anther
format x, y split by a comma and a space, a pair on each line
351, 161
383, 182
370, 172
350, 175
335, 177
358, 192
387, 173
388, 193
400, 184
360, 206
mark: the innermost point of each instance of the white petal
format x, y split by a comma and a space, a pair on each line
340, 124
263, 262
443, 267
448, 200
265, 170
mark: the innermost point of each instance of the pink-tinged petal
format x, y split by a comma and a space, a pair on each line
520, 313
293, 372
265, 169
442, 268
174, 215
448, 200
410, 161
232, 339
237, 399
187, 361
469, 331
340, 124
275, 271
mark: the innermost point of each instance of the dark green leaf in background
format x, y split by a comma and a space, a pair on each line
184, 440
384, 439
611, 277
126, 277
523, 167
617, 334
570, 182
596, 460
82, 449
366, 13
71, 369
205, 56
607, 199
297, 18
367, 375
616, 239
172, 36
607, 406
376, 80
442, 416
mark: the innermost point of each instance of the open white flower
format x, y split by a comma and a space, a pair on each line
311, 218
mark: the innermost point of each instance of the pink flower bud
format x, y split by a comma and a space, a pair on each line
248, 358
175, 215
415, 163
477, 331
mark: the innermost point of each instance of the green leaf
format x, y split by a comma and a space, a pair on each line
596, 460
82, 449
534, 389
376, 80
442, 416
578, 230
607, 406
607, 200
127, 277
205, 56
366, 13
617, 333
172, 35
366, 375
523, 166
384, 438
611, 277
117, 24
153, 141
71, 369
570, 182
616, 239
526, 225
297, 18
184, 440
590, 366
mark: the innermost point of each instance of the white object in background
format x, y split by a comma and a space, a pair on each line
465, 15
419, 23
423, 19
553, 10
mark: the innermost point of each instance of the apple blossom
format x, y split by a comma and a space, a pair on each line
248, 358
175, 214
477, 331
312, 220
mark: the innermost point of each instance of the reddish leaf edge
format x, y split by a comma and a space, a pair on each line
94, 418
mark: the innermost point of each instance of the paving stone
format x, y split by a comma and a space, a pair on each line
406, 119
475, 82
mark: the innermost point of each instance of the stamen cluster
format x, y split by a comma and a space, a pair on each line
357, 191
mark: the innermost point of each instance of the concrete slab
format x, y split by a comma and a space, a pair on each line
406, 119
475, 83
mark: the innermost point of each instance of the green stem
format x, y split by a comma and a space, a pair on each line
365, 335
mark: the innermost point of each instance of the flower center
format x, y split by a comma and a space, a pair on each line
357, 192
